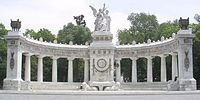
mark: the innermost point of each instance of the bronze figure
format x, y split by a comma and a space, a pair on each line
16, 25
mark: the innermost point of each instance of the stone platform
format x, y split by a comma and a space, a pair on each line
144, 86
98, 95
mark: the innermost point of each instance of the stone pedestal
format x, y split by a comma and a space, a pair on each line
12, 84
14, 62
185, 60
101, 60
187, 84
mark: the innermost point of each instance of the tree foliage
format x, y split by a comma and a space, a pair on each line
47, 61
145, 24
196, 53
167, 28
125, 36
3, 53
76, 34
197, 18
44, 33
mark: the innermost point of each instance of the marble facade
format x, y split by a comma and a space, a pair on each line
100, 57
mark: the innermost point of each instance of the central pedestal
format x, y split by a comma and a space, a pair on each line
102, 60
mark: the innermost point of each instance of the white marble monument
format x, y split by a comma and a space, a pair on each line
100, 74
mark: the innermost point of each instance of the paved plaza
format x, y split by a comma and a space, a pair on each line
108, 95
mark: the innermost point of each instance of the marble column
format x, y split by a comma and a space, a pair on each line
163, 68
70, 69
28, 67
118, 70
91, 68
174, 65
134, 69
149, 69
40, 69
54, 69
86, 70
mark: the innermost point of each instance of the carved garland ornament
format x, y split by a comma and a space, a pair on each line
12, 63
187, 61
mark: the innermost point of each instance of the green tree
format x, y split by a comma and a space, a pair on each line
167, 28
47, 62
3, 53
31, 32
197, 18
145, 24
44, 33
78, 35
125, 36
143, 27
196, 53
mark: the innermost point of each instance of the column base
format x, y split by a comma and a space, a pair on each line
12, 84
187, 85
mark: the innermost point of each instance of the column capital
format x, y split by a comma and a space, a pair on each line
28, 54
134, 58
149, 57
70, 58
40, 56
54, 57
163, 55
174, 53
118, 59
86, 58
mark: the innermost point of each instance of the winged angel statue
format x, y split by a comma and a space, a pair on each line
102, 22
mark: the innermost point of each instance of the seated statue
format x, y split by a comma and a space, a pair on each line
173, 85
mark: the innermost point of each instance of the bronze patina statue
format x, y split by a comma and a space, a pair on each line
79, 20
16, 25
183, 23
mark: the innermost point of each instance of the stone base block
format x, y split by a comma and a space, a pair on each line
105, 86
173, 86
12, 84
49, 86
187, 84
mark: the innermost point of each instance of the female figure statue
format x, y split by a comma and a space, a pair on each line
102, 21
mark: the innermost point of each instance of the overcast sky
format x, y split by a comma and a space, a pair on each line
53, 14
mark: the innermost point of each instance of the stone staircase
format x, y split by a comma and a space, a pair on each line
159, 86
154, 86
50, 86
